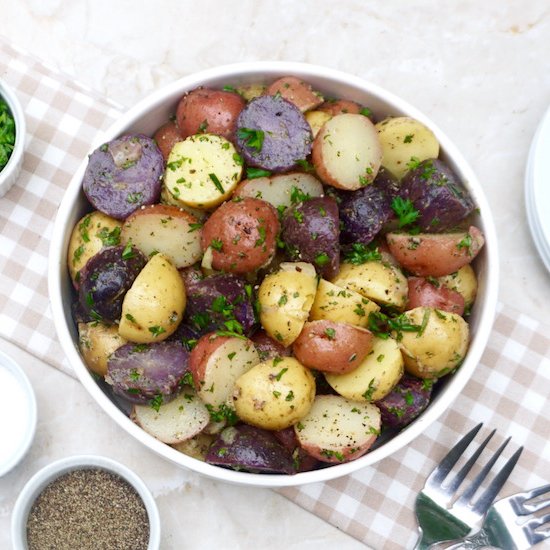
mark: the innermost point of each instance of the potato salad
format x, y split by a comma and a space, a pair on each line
274, 278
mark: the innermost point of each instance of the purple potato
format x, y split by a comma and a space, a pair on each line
123, 175
437, 194
405, 402
186, 335
142, 372
284, 130
364, 212
245, 447
311, 233
214, 300
267, 347
106, 278
303, 462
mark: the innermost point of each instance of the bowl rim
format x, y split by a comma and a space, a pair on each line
266, 70
18, 114
14, 368
38, 482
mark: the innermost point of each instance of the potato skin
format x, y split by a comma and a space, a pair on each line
425, 293
206, 110
274, 394
296, 91
242, 235
96, 342
166, 137
340, 107
463, 281
332, 347
435, 255
440, 345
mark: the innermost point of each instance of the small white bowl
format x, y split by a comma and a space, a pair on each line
22, 414
51, 472
10, 172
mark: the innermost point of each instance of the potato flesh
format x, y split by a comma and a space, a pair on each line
347, 152
463, 281
96, 342
439, 347
153, 307
316, 119
274, 394
403, 139
380, 282
375, 377
341, 305
194, 166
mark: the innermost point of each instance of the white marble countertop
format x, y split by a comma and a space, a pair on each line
480, 70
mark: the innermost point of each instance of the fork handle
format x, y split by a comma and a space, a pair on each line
480, 539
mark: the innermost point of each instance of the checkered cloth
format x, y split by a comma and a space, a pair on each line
508, 391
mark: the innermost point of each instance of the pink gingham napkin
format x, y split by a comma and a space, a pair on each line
509, 390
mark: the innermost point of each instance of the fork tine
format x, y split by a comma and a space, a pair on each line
532, 524
451, 458
487, 497
538, 505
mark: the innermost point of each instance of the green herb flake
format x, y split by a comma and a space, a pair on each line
404, 210
330, 333
252, 137
253, 173
360, 253
217, 183
322, 259
127, 252
156, 330
156, 402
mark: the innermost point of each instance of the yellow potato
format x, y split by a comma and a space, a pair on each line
316, 119
380, 282
285, 300
463, 281
375, 377
403, 139
438, 347
341, 305
92, 232
96, 342
274, 394
153, 307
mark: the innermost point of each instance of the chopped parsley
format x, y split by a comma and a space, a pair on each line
7, 134
404, 210
253, 173
217, 183
360, 253
252, 137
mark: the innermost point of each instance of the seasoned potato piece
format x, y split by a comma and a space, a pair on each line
340, 106
463, 281
202, 171
430, 293
375, 377
341, 305
380, 282
435, 254
196, 447
296, 91
176, 421
316, 119
153, 307
251, 91
91, 233
166, 137
166, 229
338, 430
347, 152
402, 139
274, 394
167, 198
96, 342
285, 299
438, 347
216, 362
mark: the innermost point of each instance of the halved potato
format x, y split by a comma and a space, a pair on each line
316, 119
346, 152
96, 341
296, 91
463, 281
153, 307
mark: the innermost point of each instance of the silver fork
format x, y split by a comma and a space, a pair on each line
501, 528
441, 519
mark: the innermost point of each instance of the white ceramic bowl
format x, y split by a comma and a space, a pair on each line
50, 473
10, 173
146, 117
21, 405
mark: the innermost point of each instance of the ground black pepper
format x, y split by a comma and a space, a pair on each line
88, 509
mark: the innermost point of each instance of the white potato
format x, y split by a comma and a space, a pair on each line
347, 152
402, 139
463, 281
285, 299
438, 347
375, 377
153, 307
91, 233
337, 429
96, 342
177, 420
202, 171
341, 305
381, 282
274, 394
167, 198
166, 229
197, 446
316, 119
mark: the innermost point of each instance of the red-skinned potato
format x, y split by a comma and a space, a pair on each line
241, 235
166, 137
332, 347
268, 348
338, 430
216, 362
296, 91
433, 294
205, 110
340, 107
435, 254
